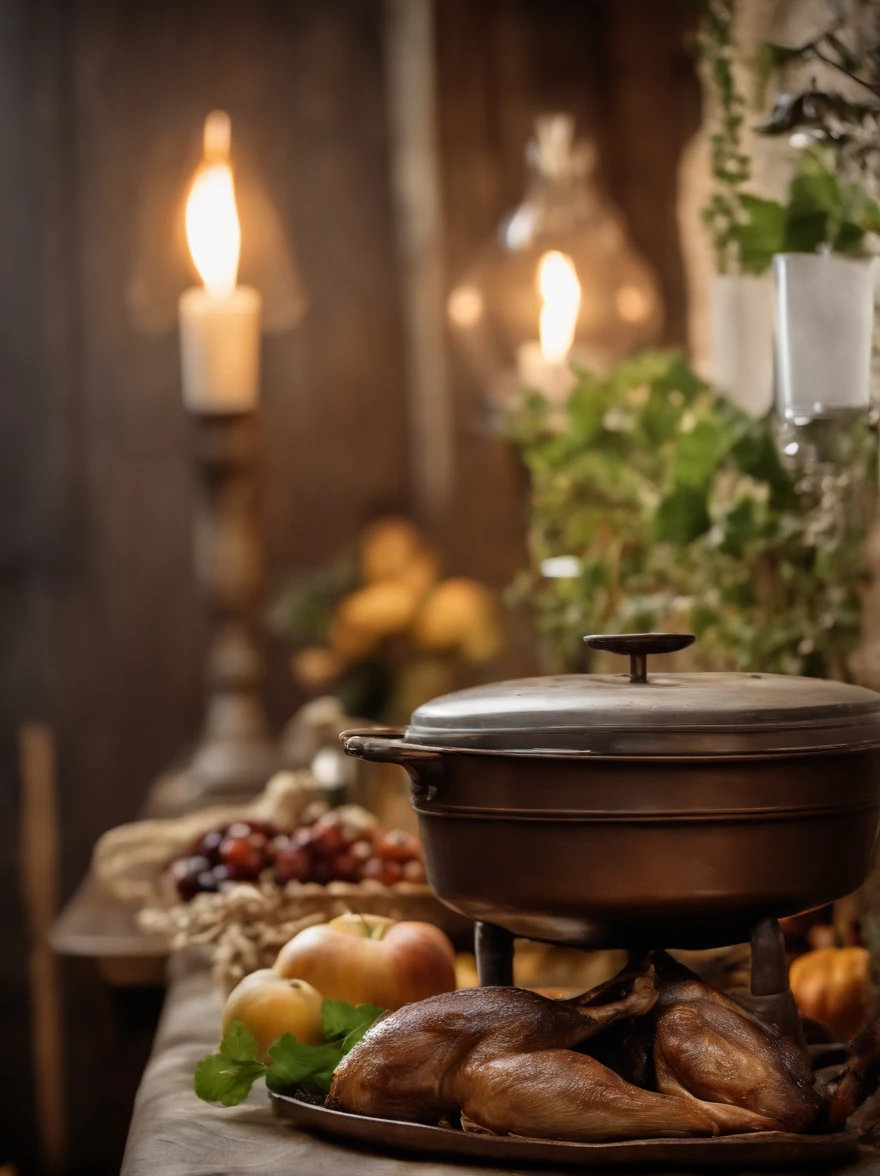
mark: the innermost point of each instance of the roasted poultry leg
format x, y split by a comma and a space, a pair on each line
742, 1073
559, 1094
411, 1064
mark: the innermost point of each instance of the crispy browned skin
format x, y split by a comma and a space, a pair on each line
559, 1094
741, 1072
502, 1059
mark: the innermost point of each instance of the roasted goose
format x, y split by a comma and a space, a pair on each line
503, 1060
510, 1062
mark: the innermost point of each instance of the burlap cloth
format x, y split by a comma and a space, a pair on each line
175, 1134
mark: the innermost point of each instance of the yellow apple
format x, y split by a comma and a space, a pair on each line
270, 1005
367, 958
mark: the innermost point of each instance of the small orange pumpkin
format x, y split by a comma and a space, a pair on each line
831, 985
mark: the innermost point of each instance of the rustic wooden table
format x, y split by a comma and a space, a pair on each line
175, 1134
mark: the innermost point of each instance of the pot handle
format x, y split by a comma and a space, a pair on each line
382, 745
638, 646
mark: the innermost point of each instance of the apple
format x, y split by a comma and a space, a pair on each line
270, 1005
368, 958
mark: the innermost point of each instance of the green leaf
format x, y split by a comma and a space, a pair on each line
762, 233
755, 454
871, 217
340, 1019
682, 516
699, 452
850, 239
585, 415
228, 1075
806, 232
814, 187
222, 1079
676, 375
238, 1043
295, 1064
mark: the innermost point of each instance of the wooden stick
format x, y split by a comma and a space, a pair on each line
409, 55
39, 886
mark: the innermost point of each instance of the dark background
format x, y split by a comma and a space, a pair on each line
101, 628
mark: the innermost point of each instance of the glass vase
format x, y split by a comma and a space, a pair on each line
824, 326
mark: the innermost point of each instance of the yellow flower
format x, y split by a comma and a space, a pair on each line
459, 616
388, 547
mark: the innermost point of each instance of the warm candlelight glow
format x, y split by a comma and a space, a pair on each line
560, 293
213, 231
220, 321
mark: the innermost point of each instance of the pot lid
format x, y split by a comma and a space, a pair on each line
644, 714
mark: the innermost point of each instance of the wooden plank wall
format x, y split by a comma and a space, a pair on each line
100, 624
623, 69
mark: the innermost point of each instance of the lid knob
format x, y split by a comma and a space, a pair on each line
638, 646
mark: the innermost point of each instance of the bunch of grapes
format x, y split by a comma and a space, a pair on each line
327, 846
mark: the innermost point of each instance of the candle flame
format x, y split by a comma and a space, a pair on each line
213, 231
560, 293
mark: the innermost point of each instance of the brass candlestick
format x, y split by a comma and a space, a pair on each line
235, 755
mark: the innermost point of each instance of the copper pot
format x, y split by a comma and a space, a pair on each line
642, 810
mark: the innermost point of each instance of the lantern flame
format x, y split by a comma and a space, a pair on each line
213, 231
560, 293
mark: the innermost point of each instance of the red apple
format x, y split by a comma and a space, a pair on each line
370, 958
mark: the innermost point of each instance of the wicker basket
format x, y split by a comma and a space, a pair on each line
243, 928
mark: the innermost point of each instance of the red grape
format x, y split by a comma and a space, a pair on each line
381, 871
327, 834
302, 838
344, 867
397, 846
361, 851
267, 828
413, 871
291, 865
185, 874
244, 857
320, 871
207, 882
209, 845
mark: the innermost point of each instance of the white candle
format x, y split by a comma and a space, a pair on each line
219, 321
553, 378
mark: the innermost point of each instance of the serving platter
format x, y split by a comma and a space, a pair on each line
765, 1149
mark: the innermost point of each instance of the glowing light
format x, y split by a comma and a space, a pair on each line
633, 304
465, 306
213, 231
560, 293
561, 567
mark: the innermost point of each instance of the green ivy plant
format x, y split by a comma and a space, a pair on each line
730, 165
823, 211
679, 512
